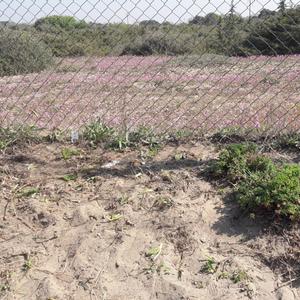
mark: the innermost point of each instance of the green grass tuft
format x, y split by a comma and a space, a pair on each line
28, 192
67, 153
69, 177
98, 132
18, 135
210, 266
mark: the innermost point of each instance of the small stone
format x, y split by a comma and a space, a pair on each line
50, 289
285, 294
44, 219
251, 289
127, 222
80, 217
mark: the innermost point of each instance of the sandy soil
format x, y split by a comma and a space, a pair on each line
130, 227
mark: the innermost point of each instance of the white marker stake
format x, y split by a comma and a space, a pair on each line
74, 136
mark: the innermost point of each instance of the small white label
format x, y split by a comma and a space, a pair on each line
74, 136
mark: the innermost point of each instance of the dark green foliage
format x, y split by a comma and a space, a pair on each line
268, 33
258, 163
62, 45
277, 190
59, 22
167, 39
90, 39
67, 36
266, 13
152, 23
154, 45
79, 42
98, 132
260, 183
276, 35
21, 52
233, 161
288, 141
117, 36
282, 6
210, 19
230, 35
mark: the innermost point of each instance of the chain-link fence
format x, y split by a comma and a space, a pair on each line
169, 65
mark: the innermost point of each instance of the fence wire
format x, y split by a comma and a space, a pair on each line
171, 66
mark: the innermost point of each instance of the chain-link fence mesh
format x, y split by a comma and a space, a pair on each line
169, 65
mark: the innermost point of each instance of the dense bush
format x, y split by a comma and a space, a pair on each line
67, 36
268, 33
277, 190
277, 34
209, 19
259, 182
230, 36
288, 141
63, 45
233, 161
154, 45
21, 52
59, 22
151, 23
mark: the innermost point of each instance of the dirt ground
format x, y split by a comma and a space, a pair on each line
110, 225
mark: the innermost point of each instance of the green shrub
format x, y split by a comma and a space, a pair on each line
277, 190
61, 22
141, 136
144, 135
64, 44
210, 19
14, 135
155, 44
269, 33
260, 184
68, 153
276, 35
21, 52
288, 141
98, 132
259, 163
233, 161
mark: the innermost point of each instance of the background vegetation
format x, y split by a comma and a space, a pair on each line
268, 33
21, 52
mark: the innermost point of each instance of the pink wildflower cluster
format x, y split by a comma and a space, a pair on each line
254, 92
